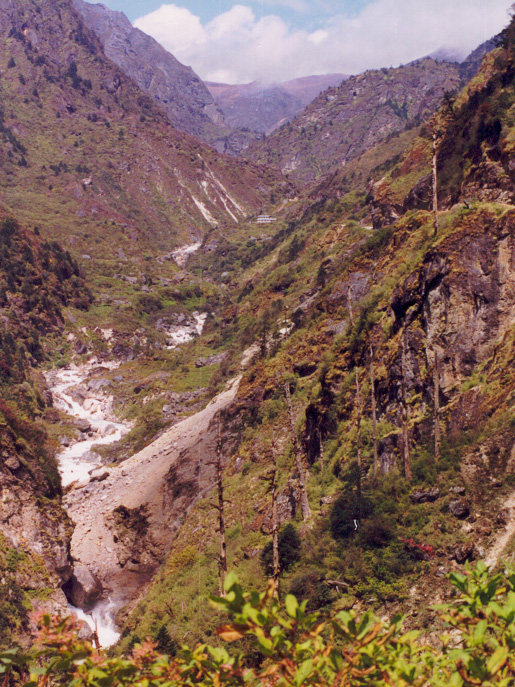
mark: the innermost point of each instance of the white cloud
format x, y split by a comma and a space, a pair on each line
176, 28
296, 5
238, 47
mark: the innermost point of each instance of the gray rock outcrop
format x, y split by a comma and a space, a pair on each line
175, 87
83, 589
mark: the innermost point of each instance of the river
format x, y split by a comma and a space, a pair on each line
77, 461
100, 426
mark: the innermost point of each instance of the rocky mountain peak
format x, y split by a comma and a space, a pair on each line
175, 87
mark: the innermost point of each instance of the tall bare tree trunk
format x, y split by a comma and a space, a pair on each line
304, 503
275, 523
358, 433
405, 431
436, 373
374, 415
435, 182
349, 304
222, 562
321, 448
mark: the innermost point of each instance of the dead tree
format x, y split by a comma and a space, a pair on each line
271, 478
349, 304
304, 503
405, 430
436, 375
222, 559
358, 433
321, 449
435, 136
374, 415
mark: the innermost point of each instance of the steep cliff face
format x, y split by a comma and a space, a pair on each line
37, 280
176, 88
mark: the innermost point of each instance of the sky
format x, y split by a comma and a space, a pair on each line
279, 40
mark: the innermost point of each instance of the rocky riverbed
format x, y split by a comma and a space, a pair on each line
125, 516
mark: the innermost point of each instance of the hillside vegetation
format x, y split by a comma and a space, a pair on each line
345, 121
86, 150
38, 279
355, 292
372, 354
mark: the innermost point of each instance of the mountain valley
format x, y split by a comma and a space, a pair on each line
353, 346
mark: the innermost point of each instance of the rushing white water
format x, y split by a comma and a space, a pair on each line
183, 334
181, 254
77, 461
100, 619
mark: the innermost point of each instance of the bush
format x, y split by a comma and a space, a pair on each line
289, 545
368, 651
347, 514
377, 532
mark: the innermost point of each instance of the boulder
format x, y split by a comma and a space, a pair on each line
83, 425
429, 495
12, 463
97, 384
108, 430
91, 404
99, 474
465, 552
83, 589
459, 491
459, 508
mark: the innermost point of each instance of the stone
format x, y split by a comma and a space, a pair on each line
287, 503
459, 491
99, 474
83, 425
429, 495
12, 463
83, 589
97, 384
465, 552
459, 508
91, 404
79, 484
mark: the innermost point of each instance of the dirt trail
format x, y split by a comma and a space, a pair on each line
501, 540
125, 524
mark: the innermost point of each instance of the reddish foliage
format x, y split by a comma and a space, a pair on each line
419, 551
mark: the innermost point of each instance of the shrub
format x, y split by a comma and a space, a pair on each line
347, 514
291, 647
289, 545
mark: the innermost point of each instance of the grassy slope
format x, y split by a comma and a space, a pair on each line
68, 114
318, 255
